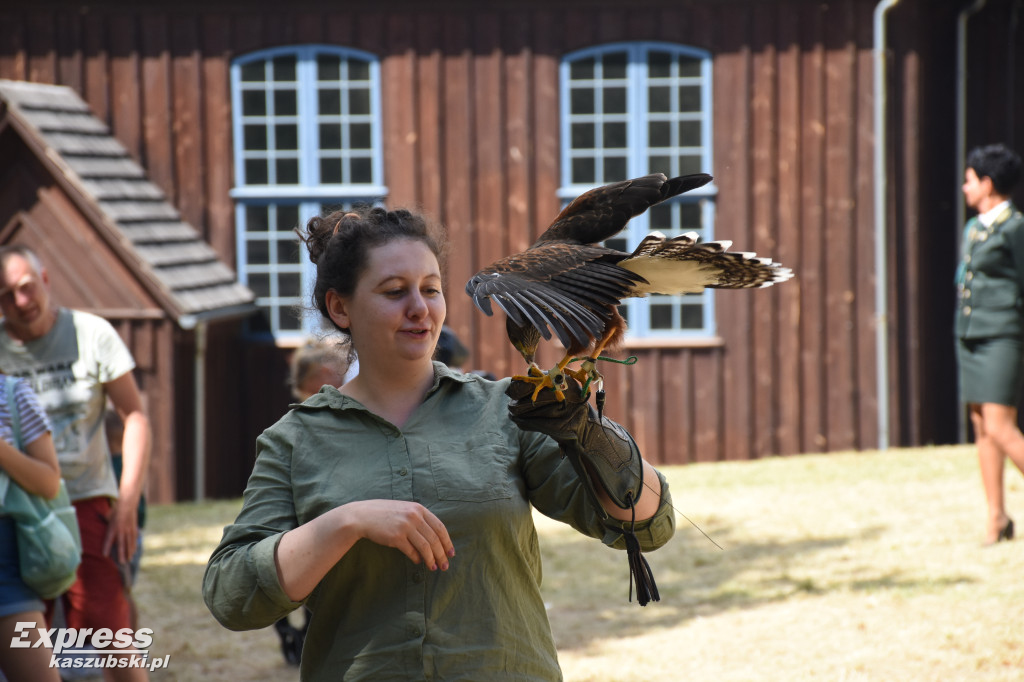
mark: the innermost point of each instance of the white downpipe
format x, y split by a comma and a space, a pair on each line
881, 255
199, 473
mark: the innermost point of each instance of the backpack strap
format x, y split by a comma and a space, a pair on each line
5, 480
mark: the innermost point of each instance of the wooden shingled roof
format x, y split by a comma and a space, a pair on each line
168, 255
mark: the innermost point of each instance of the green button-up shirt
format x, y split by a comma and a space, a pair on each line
376, 615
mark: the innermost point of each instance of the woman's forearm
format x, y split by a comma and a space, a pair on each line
646, 506
35, 470
305, 554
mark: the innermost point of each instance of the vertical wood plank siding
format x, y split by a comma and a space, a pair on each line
840, 351
811, 264
787, 250
732, 151
151, 342
471, 136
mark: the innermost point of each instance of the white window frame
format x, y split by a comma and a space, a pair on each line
637, 163
309, 195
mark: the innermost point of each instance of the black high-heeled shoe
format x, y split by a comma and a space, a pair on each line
1006, 532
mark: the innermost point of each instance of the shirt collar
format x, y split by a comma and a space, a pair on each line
443, 372
989, 216
331, 397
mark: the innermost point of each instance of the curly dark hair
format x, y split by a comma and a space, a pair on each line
339, 244
998, 162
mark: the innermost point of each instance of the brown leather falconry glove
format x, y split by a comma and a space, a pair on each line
591, 443
597, 448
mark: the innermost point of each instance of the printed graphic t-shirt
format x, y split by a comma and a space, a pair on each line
67, 369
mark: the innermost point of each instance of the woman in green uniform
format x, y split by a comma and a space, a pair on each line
990, 322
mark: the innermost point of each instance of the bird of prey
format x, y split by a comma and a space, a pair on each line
569, 283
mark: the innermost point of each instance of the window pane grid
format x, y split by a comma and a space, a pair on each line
345, 122
675, 95
270, 266
270, 122
304, 117
339, 134
599, 119
637, 109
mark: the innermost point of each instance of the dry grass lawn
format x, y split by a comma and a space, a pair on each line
841, 567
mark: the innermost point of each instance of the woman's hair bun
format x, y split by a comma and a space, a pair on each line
318, 234
320, 231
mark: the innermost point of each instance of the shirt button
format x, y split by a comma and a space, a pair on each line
967, 259
967, 310
970, 276
414, 631
403, 471
967, 293
417, 577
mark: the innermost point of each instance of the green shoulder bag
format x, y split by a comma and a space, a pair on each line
49, 543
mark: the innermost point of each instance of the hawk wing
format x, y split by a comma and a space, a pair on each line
570, 288
568, 284
602, 212
564, 282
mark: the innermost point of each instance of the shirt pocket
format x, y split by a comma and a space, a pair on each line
474, 469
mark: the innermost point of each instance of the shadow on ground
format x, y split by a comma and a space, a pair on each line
586, 585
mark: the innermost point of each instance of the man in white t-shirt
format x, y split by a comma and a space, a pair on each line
75, 361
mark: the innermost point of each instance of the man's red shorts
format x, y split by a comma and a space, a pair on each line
97, 598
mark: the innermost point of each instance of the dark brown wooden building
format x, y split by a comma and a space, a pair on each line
250, 117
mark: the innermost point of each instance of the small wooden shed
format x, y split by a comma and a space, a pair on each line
115, 246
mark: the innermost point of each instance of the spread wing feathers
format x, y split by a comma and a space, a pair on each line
683, 265
565, 283
602, 212
568, 288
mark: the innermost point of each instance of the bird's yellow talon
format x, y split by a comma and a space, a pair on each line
541, 381
536, 392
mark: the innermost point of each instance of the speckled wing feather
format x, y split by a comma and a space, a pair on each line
566, 287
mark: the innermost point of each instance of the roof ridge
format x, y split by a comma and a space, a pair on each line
137, 215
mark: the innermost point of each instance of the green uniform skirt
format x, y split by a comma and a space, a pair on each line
990, 370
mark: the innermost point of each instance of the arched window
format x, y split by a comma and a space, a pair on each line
307, 138
629, 109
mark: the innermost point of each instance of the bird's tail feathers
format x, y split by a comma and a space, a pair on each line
685, 265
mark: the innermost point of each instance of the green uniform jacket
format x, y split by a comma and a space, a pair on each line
990, 281
376, 615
